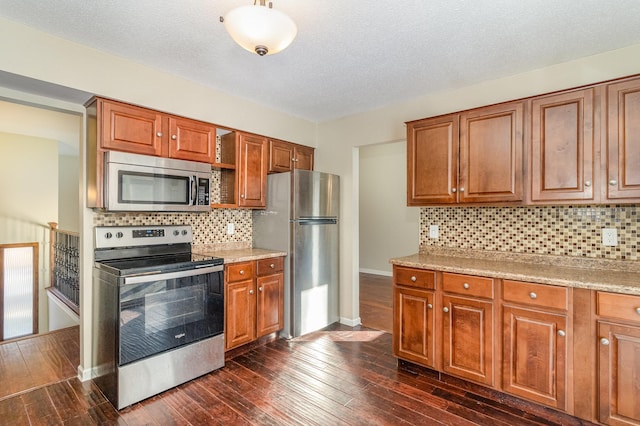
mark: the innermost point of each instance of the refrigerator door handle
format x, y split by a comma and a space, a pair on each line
317, 221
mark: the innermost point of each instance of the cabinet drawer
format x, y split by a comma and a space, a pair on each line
467, 285
239, 271
414, 277
270, 266
543, 295
619, 306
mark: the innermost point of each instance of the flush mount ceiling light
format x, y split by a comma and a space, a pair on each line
260, 28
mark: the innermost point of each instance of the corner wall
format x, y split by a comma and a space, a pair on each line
338, 139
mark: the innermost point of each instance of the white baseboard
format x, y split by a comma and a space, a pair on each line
376, 272
85, 374
350, 322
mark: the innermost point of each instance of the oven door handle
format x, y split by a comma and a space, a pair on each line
204, 269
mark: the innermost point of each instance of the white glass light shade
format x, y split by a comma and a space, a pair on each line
257, 27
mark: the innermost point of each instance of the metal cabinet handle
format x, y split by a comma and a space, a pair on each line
533, 295
242, 272
461, 189
453, 190
174, 137
465, 285
413, 278
561, 333
587, 183
241, 195
251, 291
260, 289
613, 182
445, 310
638, 310
159, 134
429, 305
604, 341
272, 266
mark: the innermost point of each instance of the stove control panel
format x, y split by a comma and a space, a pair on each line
132, 236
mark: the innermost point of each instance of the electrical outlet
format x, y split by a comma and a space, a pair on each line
231, 228
433, 231
609, 237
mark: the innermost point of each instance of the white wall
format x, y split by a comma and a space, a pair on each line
69, 193
338, 139
29, 199
388, 228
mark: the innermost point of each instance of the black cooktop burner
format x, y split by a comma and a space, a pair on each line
164, 263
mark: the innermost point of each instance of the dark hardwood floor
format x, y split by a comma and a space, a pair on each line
340, 375
376, 310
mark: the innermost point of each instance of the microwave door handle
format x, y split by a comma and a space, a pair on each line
193, 192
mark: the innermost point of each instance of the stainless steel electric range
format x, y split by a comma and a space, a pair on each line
158, 311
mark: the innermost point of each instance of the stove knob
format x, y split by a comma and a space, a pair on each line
184, 232
176, 232
108, 235
119, 235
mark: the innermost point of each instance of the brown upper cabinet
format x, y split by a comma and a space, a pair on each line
623, 141
582, 146
472, 157
252, 170
143, 131
286, 156
563, 159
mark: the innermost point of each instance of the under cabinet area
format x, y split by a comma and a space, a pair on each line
618, 333
573, 349
254, 300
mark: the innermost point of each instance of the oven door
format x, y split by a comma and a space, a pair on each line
160, 312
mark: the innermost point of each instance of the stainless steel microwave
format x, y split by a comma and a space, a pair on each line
134, 182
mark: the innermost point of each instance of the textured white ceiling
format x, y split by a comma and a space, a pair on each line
350, 55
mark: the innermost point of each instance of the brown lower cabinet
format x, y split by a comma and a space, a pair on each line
570, 349
254, 300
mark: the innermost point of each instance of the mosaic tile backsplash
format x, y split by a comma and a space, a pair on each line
208, 227
554, 230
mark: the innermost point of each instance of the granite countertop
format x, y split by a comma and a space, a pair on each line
613, 276
232, 254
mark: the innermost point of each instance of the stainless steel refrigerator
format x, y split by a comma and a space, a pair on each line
301, 218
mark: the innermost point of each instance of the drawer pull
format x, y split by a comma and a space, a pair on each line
638, 310
561, 333
445, 310
159, 134
429, 305
533, 295
613, 182
413, 278
174, 137
453, 190
242, 272
604, 341
587, 183
272, 266
251, 291
260, 289
465, 285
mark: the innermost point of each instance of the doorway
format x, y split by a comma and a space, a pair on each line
387, 227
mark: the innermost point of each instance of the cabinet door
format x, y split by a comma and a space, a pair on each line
253, 171
535, 355
280, 156
623, 141
131, 129
468, 338
619, 374
303, 157
191, 140
432, 161
240, 318
491, 141
562, 147
413, 318
270, 309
